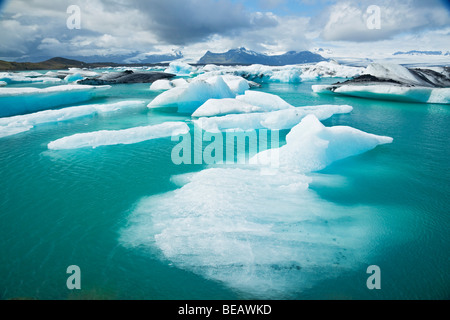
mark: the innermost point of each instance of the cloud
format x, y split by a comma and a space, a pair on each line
182, 22
347, 21
132, 27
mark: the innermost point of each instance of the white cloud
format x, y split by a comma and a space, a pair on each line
347, 21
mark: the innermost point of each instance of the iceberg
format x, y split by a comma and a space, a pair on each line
330, 69
265, 236
187, 99
15, 78
286, 74
162, 85
17, 124
311, 146
180, 68
15, 101
266, 101
395, 83
73, 77
275, 120
221, 107
237, 84
389, 92
115, 137
250, 102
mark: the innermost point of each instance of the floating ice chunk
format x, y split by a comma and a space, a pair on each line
188, 99
73, 77
127, 136
276, 120
265, 236
160, 85
180, 68
220, 107
12, 78
14, 101
389, 92
310, 146
266, 101
251, 101
17, 124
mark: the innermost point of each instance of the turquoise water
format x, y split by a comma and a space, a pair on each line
72, 207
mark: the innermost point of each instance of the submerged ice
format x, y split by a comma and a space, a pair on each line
15, 101
267, 236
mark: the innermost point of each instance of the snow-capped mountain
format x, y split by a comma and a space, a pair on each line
244, 56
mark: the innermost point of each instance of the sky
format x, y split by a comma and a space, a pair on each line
30, 29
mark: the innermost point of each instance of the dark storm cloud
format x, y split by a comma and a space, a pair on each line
182, 22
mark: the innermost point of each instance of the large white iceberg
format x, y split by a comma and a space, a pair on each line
115, 137
396, 83
187, 99
14, 101
311, 146
17, 124
265, 236
275, 120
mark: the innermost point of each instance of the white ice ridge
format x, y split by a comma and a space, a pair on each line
17, 124
275, 120
286, 74
14, 101
115, 137
389, 92
266, 236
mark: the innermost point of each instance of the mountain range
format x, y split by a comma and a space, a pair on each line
422, 53
231, 57
244, 56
